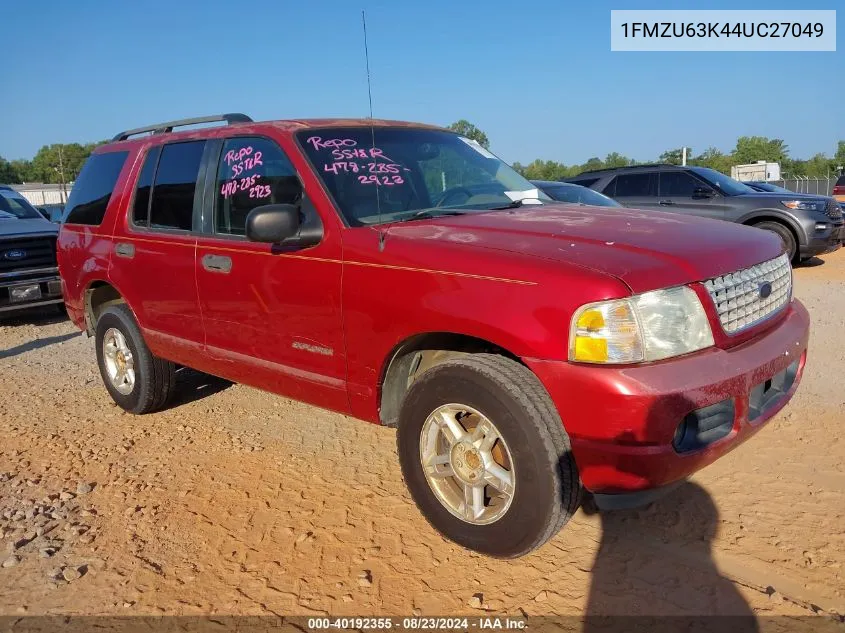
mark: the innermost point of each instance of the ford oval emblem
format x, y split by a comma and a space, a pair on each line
765, 289
15, 254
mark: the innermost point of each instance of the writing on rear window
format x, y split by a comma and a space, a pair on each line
371, 164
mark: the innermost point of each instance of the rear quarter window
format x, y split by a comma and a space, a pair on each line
91, 193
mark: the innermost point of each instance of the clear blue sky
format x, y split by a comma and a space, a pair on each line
538, 78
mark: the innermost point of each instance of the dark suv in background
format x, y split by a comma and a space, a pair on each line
808, 225
29, 275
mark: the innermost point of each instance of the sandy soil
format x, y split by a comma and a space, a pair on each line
235, 501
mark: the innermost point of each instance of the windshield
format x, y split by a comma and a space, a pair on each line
379, 175
726, 185
765, 186
580, 195
14, 206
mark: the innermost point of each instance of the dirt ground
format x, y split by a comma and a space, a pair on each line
235, 501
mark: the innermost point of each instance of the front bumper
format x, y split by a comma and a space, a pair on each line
824, 241
622, 421
47, 281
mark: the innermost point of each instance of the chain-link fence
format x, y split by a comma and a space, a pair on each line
819, 186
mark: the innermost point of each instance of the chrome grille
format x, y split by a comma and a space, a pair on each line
833, 209
738, 296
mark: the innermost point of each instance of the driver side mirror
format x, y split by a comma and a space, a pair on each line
272, 223
703, 192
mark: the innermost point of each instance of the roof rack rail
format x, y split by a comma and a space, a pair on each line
638, 166
167, 126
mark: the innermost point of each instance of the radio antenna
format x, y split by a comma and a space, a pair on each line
381, 233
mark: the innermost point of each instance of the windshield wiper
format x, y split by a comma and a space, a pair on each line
513, 204
425, 214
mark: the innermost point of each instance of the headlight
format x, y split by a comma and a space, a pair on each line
806, 205
645, 327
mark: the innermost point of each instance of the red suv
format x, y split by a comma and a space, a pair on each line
402, 274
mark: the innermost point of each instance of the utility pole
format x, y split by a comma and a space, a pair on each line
62, 175
684, 156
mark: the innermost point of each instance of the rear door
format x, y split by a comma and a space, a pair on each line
272, 318
154, 250
637, 190
682, 192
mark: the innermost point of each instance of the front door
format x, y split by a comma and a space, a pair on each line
681, 192
272, 319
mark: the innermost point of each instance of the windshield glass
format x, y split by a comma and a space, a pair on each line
14, 206
580, 195
726, 185
379, 175
765, 186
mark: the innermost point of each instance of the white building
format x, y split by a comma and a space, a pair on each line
39, 193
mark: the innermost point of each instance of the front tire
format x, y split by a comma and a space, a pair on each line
485, 455
786, 235
136, 380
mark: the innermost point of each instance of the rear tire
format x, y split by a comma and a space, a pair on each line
786, 235
546, 489
121, 354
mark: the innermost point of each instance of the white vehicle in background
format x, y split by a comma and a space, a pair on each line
759, 171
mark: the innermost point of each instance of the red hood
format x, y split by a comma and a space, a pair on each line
645, 249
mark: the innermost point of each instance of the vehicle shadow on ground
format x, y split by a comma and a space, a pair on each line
36, 344
811, 263
48, 315
192, 385
663, 550
656, 562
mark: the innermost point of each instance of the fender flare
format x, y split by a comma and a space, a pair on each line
776, 214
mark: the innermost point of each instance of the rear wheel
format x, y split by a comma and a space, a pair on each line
786, 235
485, 456
136, 380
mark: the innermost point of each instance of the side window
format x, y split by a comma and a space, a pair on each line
141, 206
93, 188
677, 184
640, 185
172, 205
252, 172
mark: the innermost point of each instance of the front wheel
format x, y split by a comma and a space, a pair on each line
136, 380
785, 235
485, 455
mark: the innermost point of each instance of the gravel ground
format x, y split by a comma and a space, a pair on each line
235, 501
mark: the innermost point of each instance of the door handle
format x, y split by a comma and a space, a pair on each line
666, 203
217, 263
122, 249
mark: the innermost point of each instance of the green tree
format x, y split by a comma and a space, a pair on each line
674, 156
819, 166
544, 170
615, 159
714, 159
23, 169
467, 129
839, 157
8, 173
750, 149
593, 163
